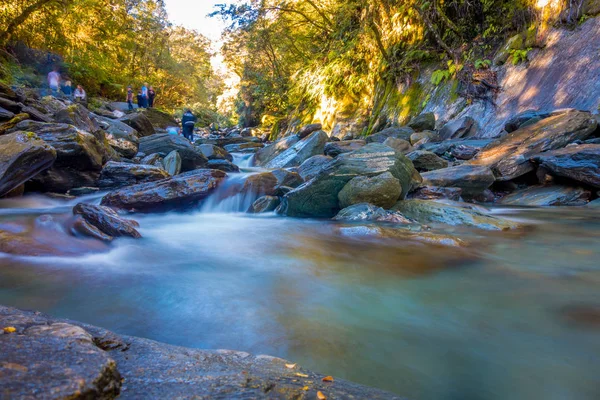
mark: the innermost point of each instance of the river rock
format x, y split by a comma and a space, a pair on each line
528, 117
311, 167
542, 196
223, 165
368, 212
140, 122
107, 220
116, 174
261, 184
287, 178
400, 145
459, 128
579, 163
265, 204
462, 152
380, 190
80, 227
191, 158
334, 149
267, 153
6, 115
472, 179
419, 138
52, 104
509, 157
10, 105
308, 129
426, 160
178, 192
159, 119
120, 136
22, 157
78, 116
393, 132
153, 159
436, 193
222, 141
172, 163
247, 147
430, 212
423, 122
8, 125
444, 148
81, 191
294, 156
35, 114
213, 152
319, 196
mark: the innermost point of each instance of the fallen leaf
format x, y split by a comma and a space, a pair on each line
328, 379
305, 388
10, 329
301, 375
321, 396
290, 366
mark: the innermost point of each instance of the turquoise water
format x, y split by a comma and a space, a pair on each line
509, 315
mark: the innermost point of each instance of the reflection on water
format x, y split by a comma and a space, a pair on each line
504, 315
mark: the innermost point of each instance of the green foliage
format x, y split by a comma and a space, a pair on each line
482, 64
442, 75
519, 55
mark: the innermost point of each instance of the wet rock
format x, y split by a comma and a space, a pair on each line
35, 115
381, 190
172, 163
393, 132
368, 212
319, 196
423, 122
115, 174
472, 179
213, 152
424, 137
248, 147
287, 178
436, 193
265, 204
446, 147
107, 220
81, 227
541, 196
52, 105
400, 145
223, 165
334, 149
78, 116
6, 126
312, 145
579, 163
81, 191
153, 159
222, 141
459, 128
191, 157
10, 105
426, 160
431, 212
159, 119
22, 157
462, 152
264, 183
311, 167
594, 204
140, 122
120, 136
509, 157
268, 153
523, 119
6, 115
178, 192
308, 129
246, 132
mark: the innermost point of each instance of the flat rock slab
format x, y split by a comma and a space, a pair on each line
47, 358
471, 179
543, 196
580, 163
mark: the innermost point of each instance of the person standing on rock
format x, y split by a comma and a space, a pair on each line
188, 121
140, 99
151, 96
129, 98
54, 81
144, 96
67, 89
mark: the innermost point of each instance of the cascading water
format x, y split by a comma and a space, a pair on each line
243, 160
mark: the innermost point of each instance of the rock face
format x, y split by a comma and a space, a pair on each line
308, 129
334, 149
393, 132
319, 196
311, 145
509, 157
579, 163
380, 190
267, 153
140, 122
115, 174
423, 122
430, 212
426, 161
542, 196
91, 363
213, 152
311, 167
172, 163
177, 192
22, 156
462, 127
106, 220
471, 179
264, 204
191, 158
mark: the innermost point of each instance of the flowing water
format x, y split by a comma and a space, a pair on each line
511, 315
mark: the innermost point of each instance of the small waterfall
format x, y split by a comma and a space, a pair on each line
230, 196
243, 160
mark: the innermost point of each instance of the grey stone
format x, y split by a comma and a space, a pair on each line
115, 174
294, 156
381, 190
191, 157
172, 163
472, 179
426, 160
393, 132
311, 167
542, 196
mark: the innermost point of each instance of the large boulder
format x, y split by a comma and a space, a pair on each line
543, 196
159, 119
267, 153
153, 159
311, 167
459, 128
525, 118
400, 145
191, 157
121, 137
78, 116
311, 145
22, 156
364, 212
334, 149
178, 192
509, 157
308, 129
140, 122
393, 132
381, 190
423, 122
432, 212
213, 152
419, 138
223, 165
264, 204
115, 174
172, 163
426, 161
107, 220
472, 179
579, 163
287, 178
319, 196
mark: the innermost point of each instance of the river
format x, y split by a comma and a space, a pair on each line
509, 315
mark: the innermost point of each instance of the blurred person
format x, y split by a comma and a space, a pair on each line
188, 121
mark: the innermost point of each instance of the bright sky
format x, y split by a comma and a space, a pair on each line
193, 15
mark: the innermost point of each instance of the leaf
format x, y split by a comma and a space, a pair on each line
9, 329
305, 388
301, 375
328, 379
321, 396
290, 366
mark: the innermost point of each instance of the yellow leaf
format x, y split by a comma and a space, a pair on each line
321, 396
328, 379
10, 329
290, 366
301, 375
305, 388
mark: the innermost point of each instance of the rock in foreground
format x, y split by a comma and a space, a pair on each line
107, 220
580, 163
115, 174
